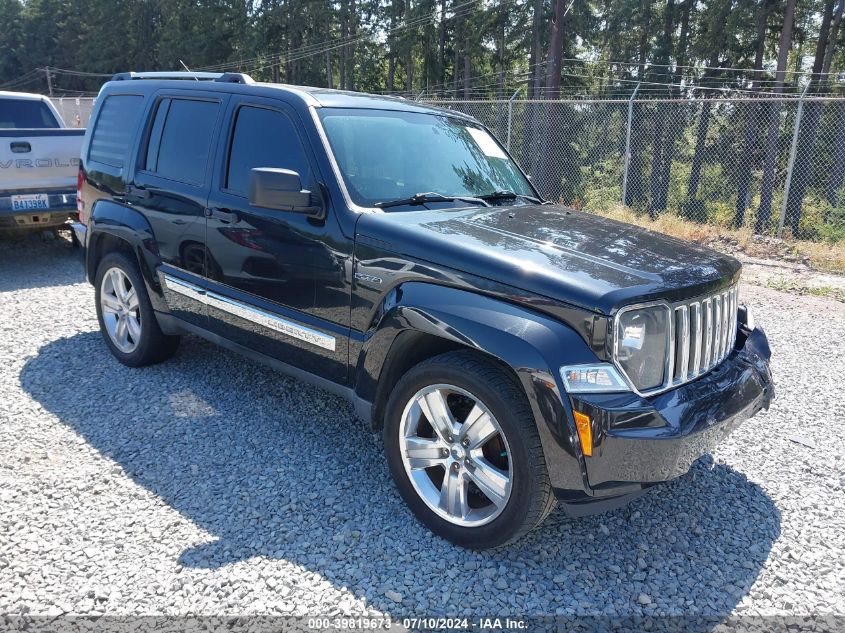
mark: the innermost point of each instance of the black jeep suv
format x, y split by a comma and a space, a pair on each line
515, 353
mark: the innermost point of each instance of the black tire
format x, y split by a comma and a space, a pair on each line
531, 498
154, 346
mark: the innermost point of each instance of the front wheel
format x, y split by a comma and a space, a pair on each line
464, 451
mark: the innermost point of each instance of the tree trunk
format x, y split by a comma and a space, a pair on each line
834, 37
750, 141
329, 78
457, 65
467, 72
501, 57
803, 165
693, 206
838, 170
536, 53
675, 121
837, 174
551, 161
635, 193
654, 207
441, 50
531, 131
659, 193
556, 51
409, 51
344, 34
698, 157
350, 58
764, 213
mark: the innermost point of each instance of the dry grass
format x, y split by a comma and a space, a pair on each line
790, 285
818, 255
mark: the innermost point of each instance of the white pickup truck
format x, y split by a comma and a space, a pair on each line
39, 163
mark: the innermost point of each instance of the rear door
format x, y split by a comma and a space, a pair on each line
170, 188
276, 279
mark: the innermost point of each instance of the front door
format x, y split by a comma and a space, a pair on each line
277, 281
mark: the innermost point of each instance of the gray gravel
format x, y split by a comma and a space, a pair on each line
209, 485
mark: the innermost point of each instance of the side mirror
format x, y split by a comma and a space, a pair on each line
281, 189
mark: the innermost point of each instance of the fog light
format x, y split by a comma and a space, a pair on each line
585, 433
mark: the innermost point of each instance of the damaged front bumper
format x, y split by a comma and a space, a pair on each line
639, 441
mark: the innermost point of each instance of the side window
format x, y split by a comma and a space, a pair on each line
114, 128
264, 138
180, 142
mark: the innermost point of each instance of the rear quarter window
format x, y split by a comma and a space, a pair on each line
114, 129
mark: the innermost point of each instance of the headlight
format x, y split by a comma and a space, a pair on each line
601, 377
642, 343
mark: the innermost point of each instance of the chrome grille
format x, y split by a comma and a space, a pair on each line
703, 335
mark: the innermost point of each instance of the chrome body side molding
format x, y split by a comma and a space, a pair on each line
251, 313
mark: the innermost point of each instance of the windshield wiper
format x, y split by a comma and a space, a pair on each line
430, 196
506, 194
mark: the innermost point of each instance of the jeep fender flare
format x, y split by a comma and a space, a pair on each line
110, 220
534, 347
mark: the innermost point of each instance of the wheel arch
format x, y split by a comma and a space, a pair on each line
115, 227
410, 348
425, 320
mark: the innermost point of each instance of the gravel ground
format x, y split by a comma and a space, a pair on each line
209, 485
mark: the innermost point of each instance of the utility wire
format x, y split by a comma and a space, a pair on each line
321, 47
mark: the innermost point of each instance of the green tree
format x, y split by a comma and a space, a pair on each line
11, 40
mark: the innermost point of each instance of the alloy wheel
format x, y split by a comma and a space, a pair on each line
455, 455
121, 310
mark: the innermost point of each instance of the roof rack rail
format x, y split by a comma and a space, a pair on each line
175, 74
235, 78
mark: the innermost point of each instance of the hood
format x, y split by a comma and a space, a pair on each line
566, 255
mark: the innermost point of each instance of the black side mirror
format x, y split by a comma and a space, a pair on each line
281, 189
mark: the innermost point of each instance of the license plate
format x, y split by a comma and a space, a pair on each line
30, 201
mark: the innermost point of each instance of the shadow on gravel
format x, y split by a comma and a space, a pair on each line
30, 261
275, 468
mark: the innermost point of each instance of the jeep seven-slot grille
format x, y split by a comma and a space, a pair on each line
704, 332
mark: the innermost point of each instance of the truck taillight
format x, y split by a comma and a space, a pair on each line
80, 205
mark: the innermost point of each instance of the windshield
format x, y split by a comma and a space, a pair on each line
25, 113
387, 155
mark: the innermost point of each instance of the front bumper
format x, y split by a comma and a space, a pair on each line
640, 441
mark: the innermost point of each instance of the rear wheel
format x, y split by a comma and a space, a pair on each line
126, 316
464, 451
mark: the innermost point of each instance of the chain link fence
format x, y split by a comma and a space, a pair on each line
775, 166
76, 111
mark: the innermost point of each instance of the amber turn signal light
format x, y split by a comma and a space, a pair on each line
585, 433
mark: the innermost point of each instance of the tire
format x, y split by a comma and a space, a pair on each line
144, 343
472, 387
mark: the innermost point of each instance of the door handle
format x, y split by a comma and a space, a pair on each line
137, 192
224, 215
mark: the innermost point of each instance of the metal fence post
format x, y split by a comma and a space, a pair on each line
791, 164
628, 144
510, 116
